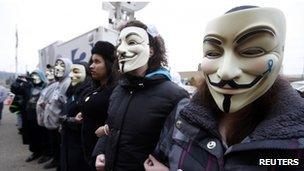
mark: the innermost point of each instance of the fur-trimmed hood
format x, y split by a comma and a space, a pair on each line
283, 120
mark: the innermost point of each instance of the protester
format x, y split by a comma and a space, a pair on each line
94, 109
36, 132
72, 157
55, 105
243, 113
21, 88
45, 96
140, 103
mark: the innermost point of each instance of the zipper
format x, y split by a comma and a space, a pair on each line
121, 126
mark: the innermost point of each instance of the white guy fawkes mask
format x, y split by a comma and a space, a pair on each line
49, 72
36, 78
59, 69
133, 48
77, 74
243, 53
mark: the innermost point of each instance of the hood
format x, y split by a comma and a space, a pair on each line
161, 72
68, 65
41, 75
151, 78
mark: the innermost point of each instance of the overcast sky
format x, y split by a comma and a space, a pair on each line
181, 23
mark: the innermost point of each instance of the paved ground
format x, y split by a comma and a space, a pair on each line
12, 151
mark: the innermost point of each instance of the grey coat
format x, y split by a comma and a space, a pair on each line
57, 98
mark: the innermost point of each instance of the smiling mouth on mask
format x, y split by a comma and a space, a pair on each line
233, 84
124, 57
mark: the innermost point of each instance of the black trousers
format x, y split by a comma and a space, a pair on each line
55, 144
35, 134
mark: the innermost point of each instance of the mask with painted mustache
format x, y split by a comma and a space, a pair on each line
235, 85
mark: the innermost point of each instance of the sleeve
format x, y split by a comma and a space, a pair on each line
40, 106
182, 94
100, 146
162, 150
72, 124
15, 106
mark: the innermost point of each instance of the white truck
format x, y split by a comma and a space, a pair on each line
79, 48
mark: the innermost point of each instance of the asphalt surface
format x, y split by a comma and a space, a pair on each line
12, 152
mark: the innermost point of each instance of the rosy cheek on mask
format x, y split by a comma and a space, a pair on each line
210, 66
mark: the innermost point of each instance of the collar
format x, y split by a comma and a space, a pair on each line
151, 78
284, 120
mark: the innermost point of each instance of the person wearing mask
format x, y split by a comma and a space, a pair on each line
95, 105
72, 157
44, 97
36, 132
21, 88
55, 105
141, 102
244, 114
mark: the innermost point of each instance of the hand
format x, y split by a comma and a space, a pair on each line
78, 118
103, 130
151, 164
42, 105
100, 162
62, 119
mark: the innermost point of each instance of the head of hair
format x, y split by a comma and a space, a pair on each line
246, 119
107, 51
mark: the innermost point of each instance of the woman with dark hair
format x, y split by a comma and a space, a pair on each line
244, 117
95, 104
140, 103
72, 157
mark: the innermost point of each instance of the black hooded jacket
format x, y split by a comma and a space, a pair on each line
94, 113
72, 157
138, 109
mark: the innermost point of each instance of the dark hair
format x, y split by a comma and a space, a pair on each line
107, 51
159, 57
112, 72
244, 120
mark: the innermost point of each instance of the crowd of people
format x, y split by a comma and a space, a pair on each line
122, 111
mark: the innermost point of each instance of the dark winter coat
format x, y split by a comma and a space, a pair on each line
72, 157
21, 88
197, 148
36, 132
94, 113
138, 109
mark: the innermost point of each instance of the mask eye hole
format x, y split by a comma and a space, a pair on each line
132, 42
253, 52
212, 54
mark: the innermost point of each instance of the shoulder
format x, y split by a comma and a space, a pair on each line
117, 90
172, 91
175, 114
